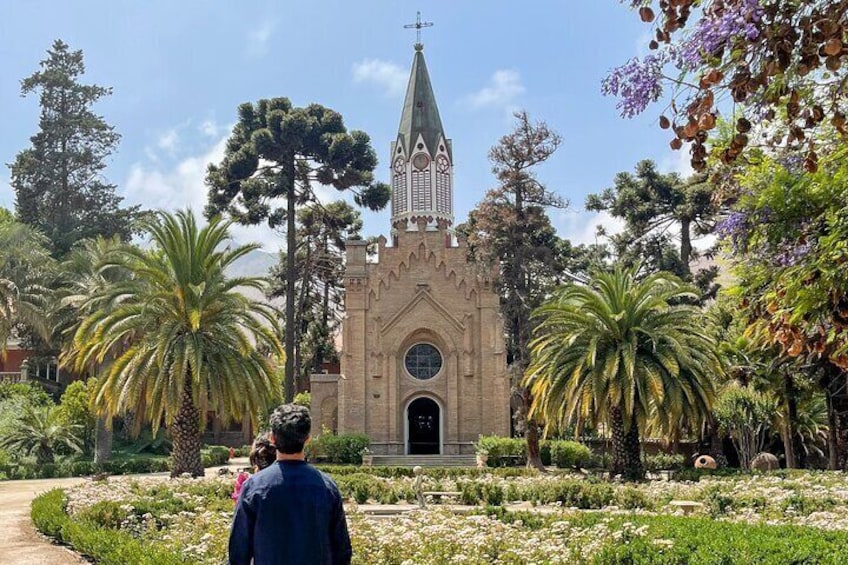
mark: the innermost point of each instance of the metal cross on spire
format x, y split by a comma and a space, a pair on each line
417, 26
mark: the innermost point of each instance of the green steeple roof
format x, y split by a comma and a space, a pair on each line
420, 113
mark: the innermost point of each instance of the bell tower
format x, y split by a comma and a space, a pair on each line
421, 158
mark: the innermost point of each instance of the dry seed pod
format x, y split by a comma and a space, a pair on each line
647, 14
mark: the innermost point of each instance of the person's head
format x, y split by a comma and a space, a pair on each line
290, 426
262, 454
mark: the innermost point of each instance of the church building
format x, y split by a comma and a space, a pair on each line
423, 364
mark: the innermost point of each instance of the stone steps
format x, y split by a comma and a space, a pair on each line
468, 460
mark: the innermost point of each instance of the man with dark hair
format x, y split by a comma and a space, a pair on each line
290, 513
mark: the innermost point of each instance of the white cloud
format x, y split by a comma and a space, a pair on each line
582, 227
208, 128
390, 77
503, 88
258, 40
182, 186
678, 162
168, 140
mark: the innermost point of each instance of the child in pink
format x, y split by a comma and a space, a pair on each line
262, 454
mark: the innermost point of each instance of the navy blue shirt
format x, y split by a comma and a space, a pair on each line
289, 514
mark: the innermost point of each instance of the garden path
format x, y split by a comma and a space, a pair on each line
20, 543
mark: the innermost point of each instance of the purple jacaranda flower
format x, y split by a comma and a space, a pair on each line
637, 83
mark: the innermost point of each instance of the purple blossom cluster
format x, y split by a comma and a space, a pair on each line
792, 254
737, 18
734, 227
637, 83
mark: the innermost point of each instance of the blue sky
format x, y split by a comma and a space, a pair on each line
180, 69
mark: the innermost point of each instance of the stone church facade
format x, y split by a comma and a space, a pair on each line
423, 366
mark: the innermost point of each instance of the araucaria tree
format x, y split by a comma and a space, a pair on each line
621, 351
184, 339
58, 181
511, 228
659, 209
275, 155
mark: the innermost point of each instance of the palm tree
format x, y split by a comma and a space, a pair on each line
40, 431
25, 265
619, 351
81, 291
184, 338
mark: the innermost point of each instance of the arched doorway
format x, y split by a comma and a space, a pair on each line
423, 427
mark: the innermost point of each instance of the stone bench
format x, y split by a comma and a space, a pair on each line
688, 506
437, 494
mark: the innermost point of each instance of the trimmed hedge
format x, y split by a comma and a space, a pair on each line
105, 546
212, 456
509, 451
344, 449
664, 462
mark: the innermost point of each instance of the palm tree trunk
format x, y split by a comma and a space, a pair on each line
634, 470
102, 439
618, 450
185, 457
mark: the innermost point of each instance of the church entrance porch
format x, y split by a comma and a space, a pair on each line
423, 419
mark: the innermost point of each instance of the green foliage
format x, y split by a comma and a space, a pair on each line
58, 181
273, 159
41, 432
26, 269
651, 203
184, 337
502, 451
303, 399
665, 462
745, 414
343, 449
703, 541
323, 230
75, 412
570, 454
623, 351
215, 455
108, 546
27, 393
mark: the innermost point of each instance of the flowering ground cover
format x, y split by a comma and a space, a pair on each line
795, 517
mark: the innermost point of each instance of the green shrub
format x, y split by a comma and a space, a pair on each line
104, 545
503, 451
74, 411
664, 462
106, 513
243, 451
570, 454
215, 455
344, 449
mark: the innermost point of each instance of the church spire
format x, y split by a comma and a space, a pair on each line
422, 156
420, 113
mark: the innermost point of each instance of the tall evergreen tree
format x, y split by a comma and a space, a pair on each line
58, 181
275, 155
322, 232
511, 228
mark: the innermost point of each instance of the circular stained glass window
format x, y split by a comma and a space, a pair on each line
423, 361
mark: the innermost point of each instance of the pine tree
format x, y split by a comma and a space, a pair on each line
58, 181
